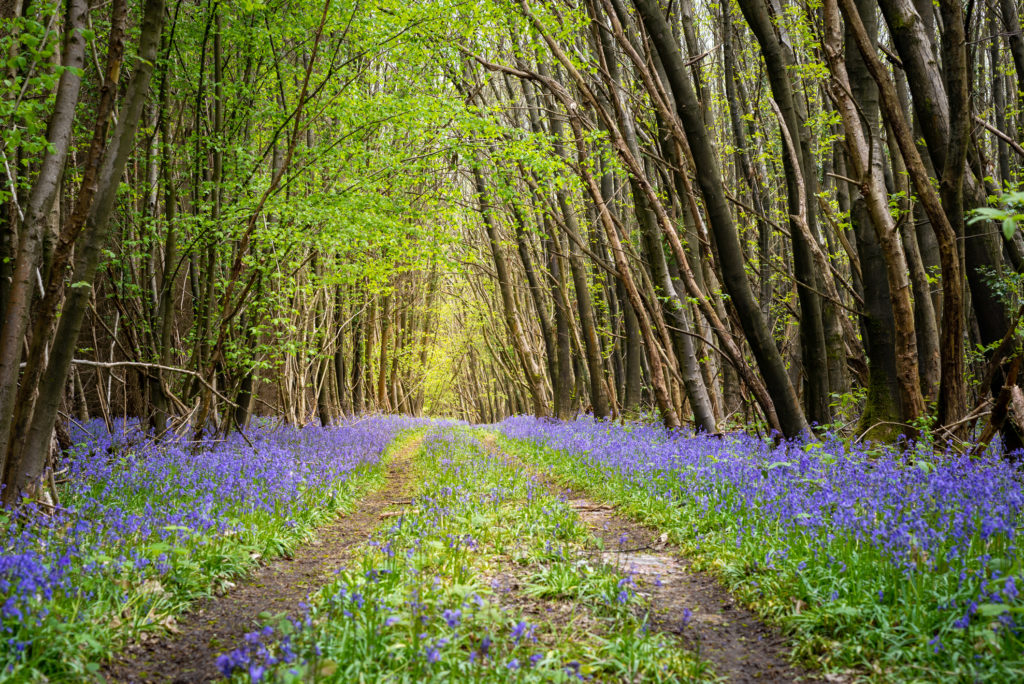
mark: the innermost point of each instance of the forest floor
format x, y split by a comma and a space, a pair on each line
691, 609
219, 624
689, 603
528, 551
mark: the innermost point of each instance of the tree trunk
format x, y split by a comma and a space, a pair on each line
533, 377
866, 168
952, 386
358, 405
385, 340
812, 328
581, 285
1015, 38
730, 253
565, 380
27, 467
30, 233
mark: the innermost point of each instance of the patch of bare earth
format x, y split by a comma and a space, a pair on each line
691, 604
217, 625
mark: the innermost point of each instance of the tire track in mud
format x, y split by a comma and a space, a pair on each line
218, 624
688, 603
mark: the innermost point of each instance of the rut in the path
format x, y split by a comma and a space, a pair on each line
692, 604
217, 625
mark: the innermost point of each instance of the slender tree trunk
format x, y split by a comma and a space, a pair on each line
565, 380
952, 387
165, 292
358, 405
1015, 38
385, 341
536, 292
26, 468
533, 377
581, 284
30, 233
865, 157
998, 93
924, 313
911, 34
730, 253
658, 381
812, 329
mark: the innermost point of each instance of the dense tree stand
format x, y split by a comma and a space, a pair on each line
753, 267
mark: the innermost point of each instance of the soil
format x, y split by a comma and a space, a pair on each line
218, 624
691, 604
688, 603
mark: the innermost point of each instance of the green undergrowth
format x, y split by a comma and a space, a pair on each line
861, 616
484, 577
133, 550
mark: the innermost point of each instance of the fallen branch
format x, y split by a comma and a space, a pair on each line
154, 366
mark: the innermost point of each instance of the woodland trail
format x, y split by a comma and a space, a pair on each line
688, 603
218, 624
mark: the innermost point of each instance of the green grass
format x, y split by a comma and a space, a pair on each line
862, 616
427, 599
112, 592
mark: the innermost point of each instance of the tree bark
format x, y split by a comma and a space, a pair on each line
730, 253
27, 466
44, 191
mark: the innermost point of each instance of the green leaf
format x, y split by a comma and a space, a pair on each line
846, 610
986, 213
1009, 227
992, 609
779, 464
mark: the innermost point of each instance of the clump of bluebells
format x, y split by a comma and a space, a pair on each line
417, 604
146, 525
906, 558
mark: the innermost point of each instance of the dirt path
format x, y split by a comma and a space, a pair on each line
218, 624
689, 603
